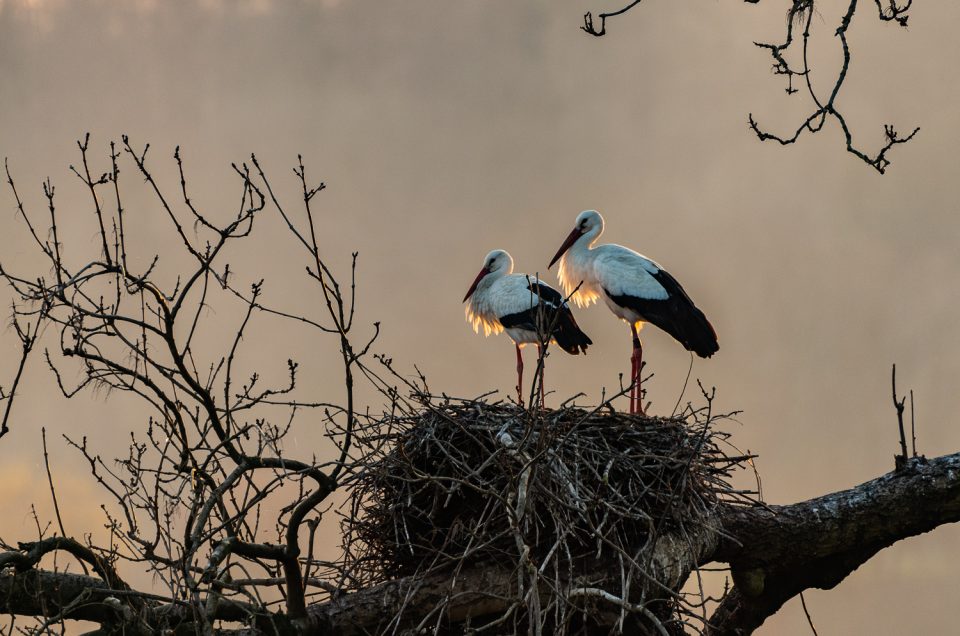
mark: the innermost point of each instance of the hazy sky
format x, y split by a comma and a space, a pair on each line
446, 129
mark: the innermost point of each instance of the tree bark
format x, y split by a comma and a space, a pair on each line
42, 593
782, 550
491, 589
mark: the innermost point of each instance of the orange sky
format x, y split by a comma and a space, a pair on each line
444, 130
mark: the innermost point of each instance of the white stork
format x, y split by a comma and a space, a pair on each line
635, 288
522, 305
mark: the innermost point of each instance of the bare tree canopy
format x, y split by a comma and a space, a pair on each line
456, 515
800, 16
190, 492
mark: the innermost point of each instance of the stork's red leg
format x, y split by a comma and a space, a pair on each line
639, 377
519, 375
636, 395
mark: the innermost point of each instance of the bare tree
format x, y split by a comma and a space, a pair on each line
824, 107
456, 515
194, 482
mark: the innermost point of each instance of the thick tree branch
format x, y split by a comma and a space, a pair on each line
490, 589
42, 593
79, 597
780, 551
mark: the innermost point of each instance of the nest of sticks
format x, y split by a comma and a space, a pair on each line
463, 482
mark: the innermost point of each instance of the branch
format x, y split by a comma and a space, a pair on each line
486, 590
588, 19
490, 589
27, 339
42, 593
78, 597
801, 13
778, 552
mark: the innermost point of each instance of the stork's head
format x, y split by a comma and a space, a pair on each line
589, 223
497, 262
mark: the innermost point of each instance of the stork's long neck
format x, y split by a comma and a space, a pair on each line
585, 243
576, 269
486, 284
579, 257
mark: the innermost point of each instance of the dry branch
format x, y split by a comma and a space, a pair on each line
187, 499
800, 13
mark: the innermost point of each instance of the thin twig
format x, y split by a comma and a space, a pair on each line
806, 612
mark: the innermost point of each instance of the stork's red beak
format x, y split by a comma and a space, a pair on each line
473, 287
574, 235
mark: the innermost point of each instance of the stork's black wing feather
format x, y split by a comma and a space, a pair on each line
677, 315
554, 313
547, 293
526, 319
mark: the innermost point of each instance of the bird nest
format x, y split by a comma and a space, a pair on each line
462, 482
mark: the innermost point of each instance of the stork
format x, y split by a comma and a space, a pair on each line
524, 307
635, 288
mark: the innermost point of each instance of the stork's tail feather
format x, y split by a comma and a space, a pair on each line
697, 334
569, 335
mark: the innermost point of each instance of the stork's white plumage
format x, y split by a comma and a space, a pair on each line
523, 306
635, 288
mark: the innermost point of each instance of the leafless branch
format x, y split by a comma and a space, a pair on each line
800, 13
211, 447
